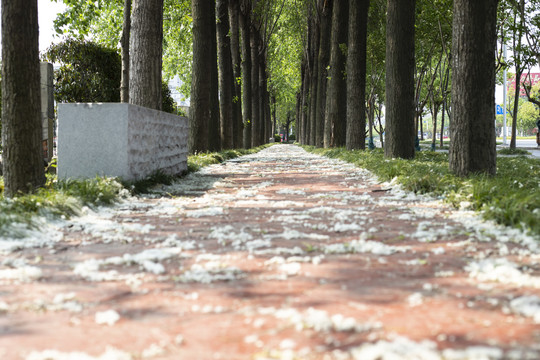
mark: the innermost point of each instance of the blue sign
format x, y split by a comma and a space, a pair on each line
500, 110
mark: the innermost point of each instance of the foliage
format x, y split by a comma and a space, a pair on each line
528, 112
101, 20
285, 57
88, 72
512, 197
167, 102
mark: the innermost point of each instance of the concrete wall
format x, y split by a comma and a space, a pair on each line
124, 140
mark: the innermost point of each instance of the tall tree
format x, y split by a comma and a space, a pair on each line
314, 66
519, 64
356, 74
21, 114
245, 31
336, 103
400, 67
124, 43
472, 130
322, 72
226, 88
255, 88
234, 14
146, 51
204, 97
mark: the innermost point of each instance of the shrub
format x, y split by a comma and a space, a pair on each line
90, 72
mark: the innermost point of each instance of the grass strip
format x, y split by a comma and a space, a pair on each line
60, 199
512, 197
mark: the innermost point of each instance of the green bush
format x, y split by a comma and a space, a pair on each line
90, 72
277, 138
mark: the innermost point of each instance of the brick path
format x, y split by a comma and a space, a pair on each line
276, 255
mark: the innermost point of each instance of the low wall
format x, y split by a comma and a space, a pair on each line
119, 140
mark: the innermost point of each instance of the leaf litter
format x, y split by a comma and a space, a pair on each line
299, 227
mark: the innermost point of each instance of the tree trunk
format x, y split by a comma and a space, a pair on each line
442, 124
518, 67
146, 44
336, 104
304, 104
274, 118
262, 112
225, 74
322, 73
21, 113
314, 60
124, 43
255, 88
204, 105
356, 74
266, 104
472, 127
400, 67
234, 13
434, 114
246, 77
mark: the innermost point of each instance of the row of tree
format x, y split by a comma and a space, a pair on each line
437, 53
217, 117
338, 62
243, 76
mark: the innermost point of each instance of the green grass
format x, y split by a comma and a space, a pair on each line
198, 161
57, 199
66, 198
512, 197
509, 151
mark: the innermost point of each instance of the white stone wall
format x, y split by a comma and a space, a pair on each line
119, 140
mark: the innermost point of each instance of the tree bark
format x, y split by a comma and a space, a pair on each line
146, 44
314, 62
226, 76
472, 126
21, 98
322, 73
304, 103
400, 67
245, 31
234, 13
265, 96
204, 110
124, 43
336, 104
255, 88
518, 66
356, 74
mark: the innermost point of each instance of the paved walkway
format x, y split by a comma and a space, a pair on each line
276, 255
